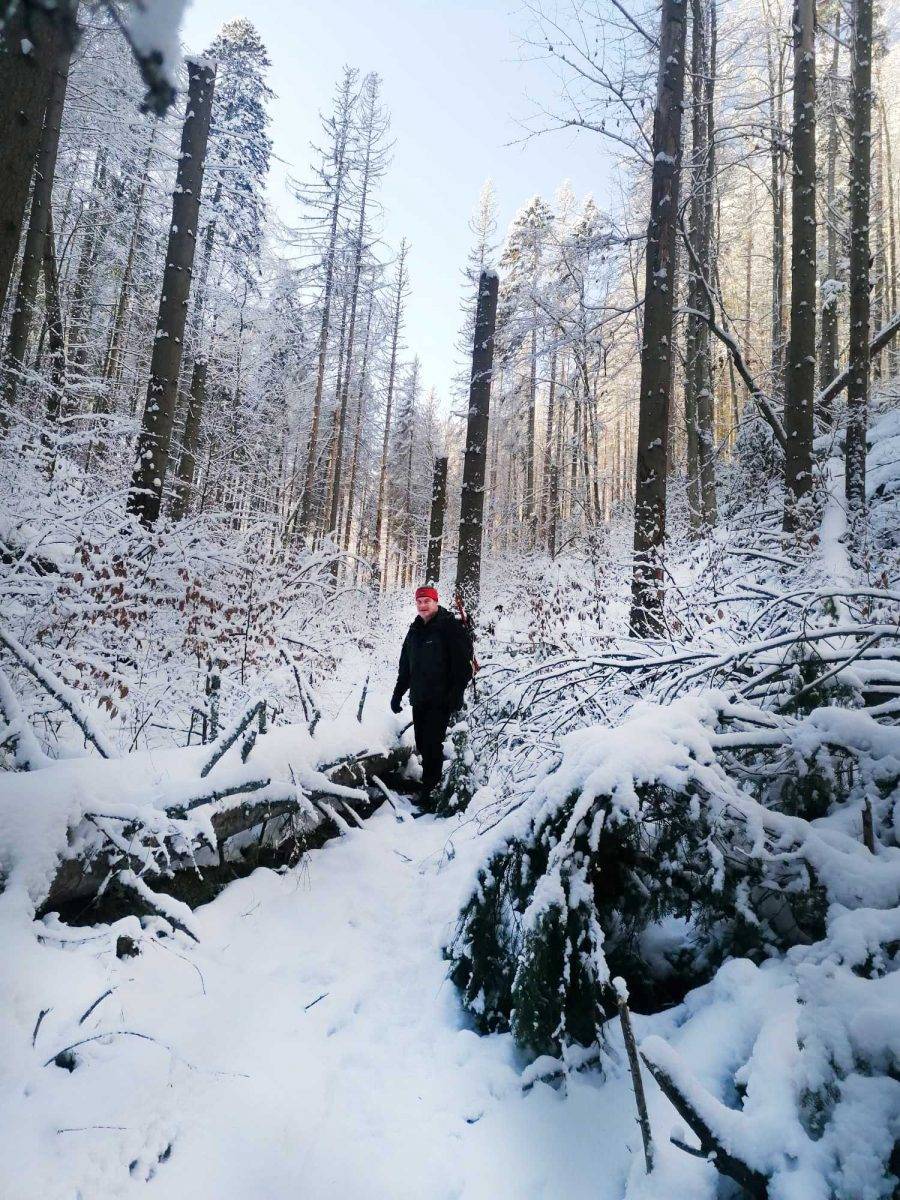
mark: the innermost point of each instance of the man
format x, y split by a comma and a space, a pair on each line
435, 666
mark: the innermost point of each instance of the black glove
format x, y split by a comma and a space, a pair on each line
456, 702
396, 703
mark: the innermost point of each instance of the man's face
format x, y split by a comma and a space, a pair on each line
426, 607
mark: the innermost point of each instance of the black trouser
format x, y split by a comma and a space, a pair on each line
430, 725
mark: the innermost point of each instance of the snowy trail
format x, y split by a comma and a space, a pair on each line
375, 1090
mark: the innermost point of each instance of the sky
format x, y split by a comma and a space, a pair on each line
458, 86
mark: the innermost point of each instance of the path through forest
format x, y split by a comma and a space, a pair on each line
347, 1069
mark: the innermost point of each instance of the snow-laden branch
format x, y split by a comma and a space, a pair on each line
59, 691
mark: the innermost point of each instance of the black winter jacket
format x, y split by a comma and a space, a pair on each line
435, 662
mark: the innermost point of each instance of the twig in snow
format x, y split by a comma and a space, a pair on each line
84, 1016
37, 1024
227, 740
634, 1063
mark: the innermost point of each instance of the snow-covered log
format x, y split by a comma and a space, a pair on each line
153, 841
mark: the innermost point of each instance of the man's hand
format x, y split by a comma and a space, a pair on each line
396, 703
456, 703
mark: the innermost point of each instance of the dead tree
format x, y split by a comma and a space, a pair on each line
471, 509
145, 495
860, 185
436, 525
373, 165
341, 131
800, 368
656, 351
399, 297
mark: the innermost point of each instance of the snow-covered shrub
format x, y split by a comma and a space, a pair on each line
460, 780
644, 825
137, 622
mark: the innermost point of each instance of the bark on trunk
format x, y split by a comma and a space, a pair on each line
436, 524
145, 495
800, 368
111, 366
392, 374
330, 255
33, 253
29, 47
656, 351
860, 181
471, 512
187, 463
828, 337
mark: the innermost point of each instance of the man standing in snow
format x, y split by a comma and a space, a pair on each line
435, 666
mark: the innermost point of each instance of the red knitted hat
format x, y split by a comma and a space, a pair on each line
428, 592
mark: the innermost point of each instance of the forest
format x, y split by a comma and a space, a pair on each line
642, 940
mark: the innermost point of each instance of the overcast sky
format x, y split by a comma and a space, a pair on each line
457, 86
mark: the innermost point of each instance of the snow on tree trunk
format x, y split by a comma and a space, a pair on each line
800, 367
656, 350
829, 287
145, 495
471, 511
860, 180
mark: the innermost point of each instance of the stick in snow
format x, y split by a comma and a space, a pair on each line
634, 1064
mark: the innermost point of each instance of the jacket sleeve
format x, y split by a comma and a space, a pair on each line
401, 687
460, 659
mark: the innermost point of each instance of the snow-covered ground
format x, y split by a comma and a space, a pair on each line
310, 1045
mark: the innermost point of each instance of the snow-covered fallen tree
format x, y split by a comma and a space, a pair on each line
71, 829
661, 848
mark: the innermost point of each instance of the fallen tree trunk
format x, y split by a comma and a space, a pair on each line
81, 878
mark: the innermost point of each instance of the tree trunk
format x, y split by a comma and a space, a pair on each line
776, 187
30, 38
860, 182
892, 228
436, 525
471, 512
694, 325
55, 339
548, 443
330, 254
354, 296
530, 510
120, 316
187, 462
800, 368
554, 509
828, 337
357, 435
94, 234
33, 253
392, 374
656, 351
703, 366
145, 495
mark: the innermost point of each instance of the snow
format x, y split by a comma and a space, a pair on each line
311, 1035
